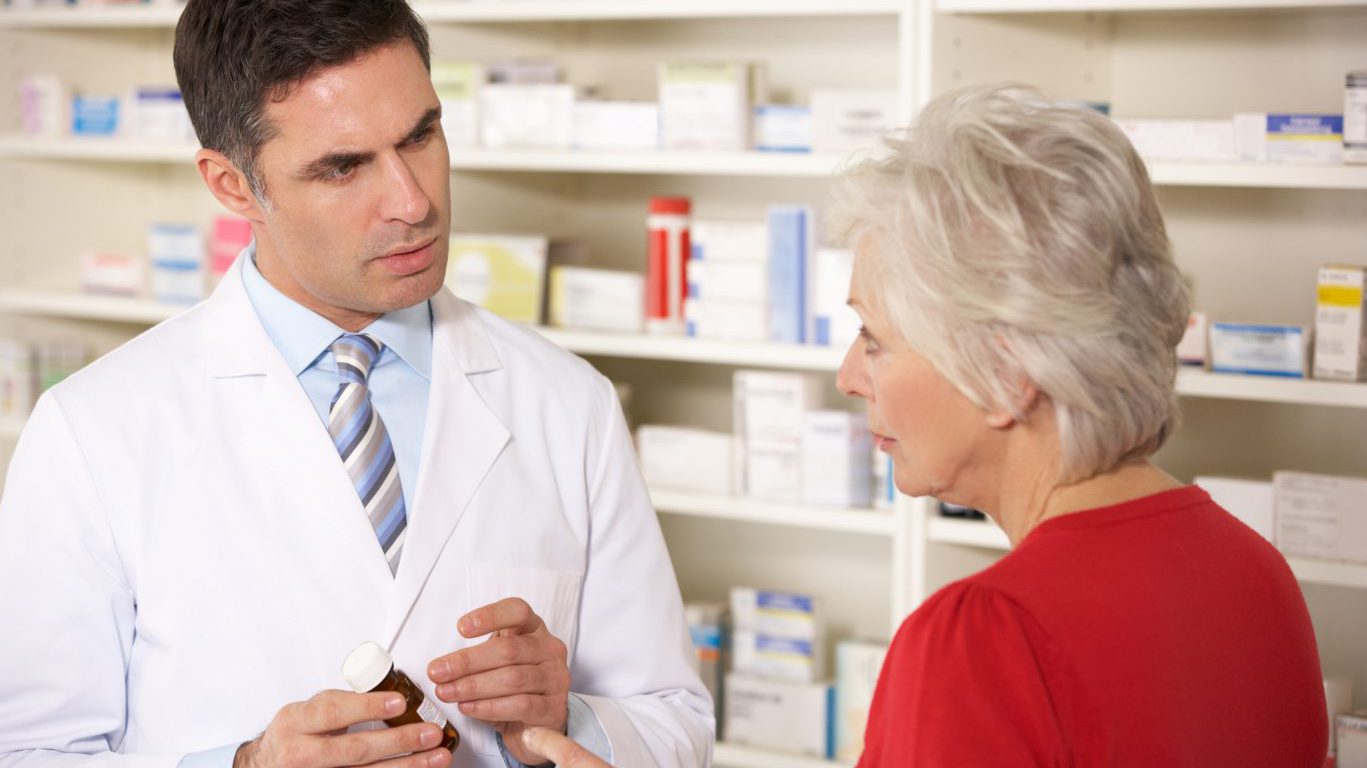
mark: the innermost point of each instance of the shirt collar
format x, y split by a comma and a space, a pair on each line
303, 336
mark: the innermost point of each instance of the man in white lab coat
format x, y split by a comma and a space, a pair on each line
199, 527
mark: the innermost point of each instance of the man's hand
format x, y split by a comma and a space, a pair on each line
517, 678
312, 734
559, 749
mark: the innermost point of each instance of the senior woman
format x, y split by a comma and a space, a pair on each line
1021, 310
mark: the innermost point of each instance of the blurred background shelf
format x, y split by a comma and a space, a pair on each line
1121, 6
734, 756
860, 521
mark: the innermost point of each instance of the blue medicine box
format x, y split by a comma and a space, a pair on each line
94, 115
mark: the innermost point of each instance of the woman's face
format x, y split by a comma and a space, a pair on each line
938, 439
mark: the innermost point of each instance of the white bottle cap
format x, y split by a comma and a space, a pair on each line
366, 667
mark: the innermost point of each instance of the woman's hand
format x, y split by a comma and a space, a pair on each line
559, 749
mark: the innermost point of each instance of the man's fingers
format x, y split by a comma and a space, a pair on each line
495, 653
368, 747
559, 749
522, 708
511, 614
432, 758
337, 710
507, 681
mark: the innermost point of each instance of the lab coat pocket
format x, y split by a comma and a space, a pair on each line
553, 595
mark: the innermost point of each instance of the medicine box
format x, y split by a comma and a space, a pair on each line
616, 125
834, 322
94, 115
1350, 741
705, 105
1210, 141
18, 383
597, 299
113, 273
505, 274
1251, 501
685, 459
1338, 695
776, 614
1262, 350
768, 425
158, 114
1321, 516
790, 246
1194, 348
1293, 139
458, 84
1339, 324
725, 319
775, 657
176, 252
850, 120
779, 716
537, 116
836, 453
718, 240
707, 625
857, 666
783, 128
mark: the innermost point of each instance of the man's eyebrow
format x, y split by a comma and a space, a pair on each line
428, 119
333, 160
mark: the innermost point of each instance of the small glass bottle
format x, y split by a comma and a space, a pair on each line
370, 668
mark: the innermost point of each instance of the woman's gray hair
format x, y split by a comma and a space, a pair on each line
1010, 239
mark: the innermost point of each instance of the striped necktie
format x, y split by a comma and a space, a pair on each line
363, 443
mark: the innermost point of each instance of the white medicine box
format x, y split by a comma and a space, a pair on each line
1339, 349
1321, 516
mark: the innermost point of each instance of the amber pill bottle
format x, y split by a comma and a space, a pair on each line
369, 668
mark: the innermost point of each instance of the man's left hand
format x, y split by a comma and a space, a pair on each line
518, 678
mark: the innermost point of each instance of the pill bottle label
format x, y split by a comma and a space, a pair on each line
429, 713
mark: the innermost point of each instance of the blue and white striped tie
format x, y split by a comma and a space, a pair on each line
363, 443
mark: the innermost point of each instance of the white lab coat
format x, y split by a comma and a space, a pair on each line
182, 553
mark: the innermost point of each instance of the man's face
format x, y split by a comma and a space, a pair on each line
357, 179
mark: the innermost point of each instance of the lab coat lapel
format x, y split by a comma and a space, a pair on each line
462, 440
323, 539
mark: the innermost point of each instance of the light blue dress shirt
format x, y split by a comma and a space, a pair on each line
399, 383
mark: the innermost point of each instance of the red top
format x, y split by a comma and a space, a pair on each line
1158, 632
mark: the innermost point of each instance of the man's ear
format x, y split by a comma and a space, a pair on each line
228, 185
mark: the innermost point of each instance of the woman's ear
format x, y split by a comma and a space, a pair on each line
1025, 397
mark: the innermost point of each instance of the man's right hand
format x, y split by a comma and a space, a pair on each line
313, 734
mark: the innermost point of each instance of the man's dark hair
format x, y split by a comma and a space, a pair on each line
231, 56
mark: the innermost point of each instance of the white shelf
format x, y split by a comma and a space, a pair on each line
1265, 175
1329, 572
681, 163
683, 349
755, 164
760, 164
969, 533
471, 11
861, 521
96, 16
678, 348
735, 756
81, 307
96, 148
1119, 6
1190, 383
1270, 389
590, 10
